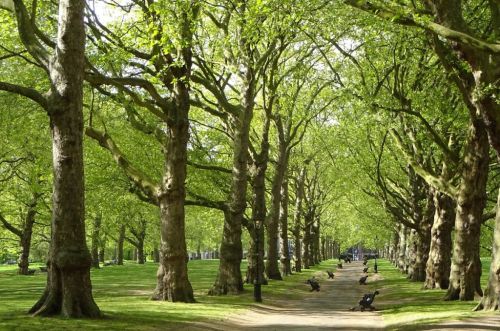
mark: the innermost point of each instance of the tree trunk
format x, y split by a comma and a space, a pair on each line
172, 275
156, 255
465, 273
491, 298
95, 241
121, 240
297, 219
25, 239
69, 291
307, 242
315, 242
229, 278
439, 261
257, 171
423, 239
273, 222
402, 249
141, 258
256, 248
102, 249
393, 250
283, 220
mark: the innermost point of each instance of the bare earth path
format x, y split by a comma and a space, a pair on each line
324, 310
329, 310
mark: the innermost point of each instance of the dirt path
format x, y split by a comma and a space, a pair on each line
324, 310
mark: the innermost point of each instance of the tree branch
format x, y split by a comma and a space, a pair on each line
405, 17
146, 184
26, 92
442, 185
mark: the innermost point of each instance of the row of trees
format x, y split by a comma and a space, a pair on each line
256, 112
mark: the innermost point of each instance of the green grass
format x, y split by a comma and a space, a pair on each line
122, 293
405, 305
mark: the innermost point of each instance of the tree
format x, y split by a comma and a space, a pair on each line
68, 291
169, 62
462, 45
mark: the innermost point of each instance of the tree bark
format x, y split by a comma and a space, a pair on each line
69, 291
273, 222
423, 238
257, 173
121, 240
297, 219
26, 235
229, 279
156, 255
95, 241
491, 298
402, 249
286, 268
439, 261
102, 248
465, 273
172, 275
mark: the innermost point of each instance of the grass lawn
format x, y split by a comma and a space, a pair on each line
406, 305
122, 293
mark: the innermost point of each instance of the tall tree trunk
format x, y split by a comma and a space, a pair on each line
121, 240
102, 248
229, 278
141, 258
402, 249
156, 255
26, 235
423, 239
297, 219
394, 248
308, 239
283, 219
411, 252
94, 250
465, 273
257, 171
69, 291
491, 298
316, 242
258, 174
488, 75
273, 222
172, 275
439, 261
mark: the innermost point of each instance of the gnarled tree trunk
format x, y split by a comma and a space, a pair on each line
172, 275
491, 298
465, 273
229, 278
68, 291
439, 261
423, 239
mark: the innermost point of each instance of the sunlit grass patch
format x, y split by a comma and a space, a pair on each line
123, 294
404, 304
